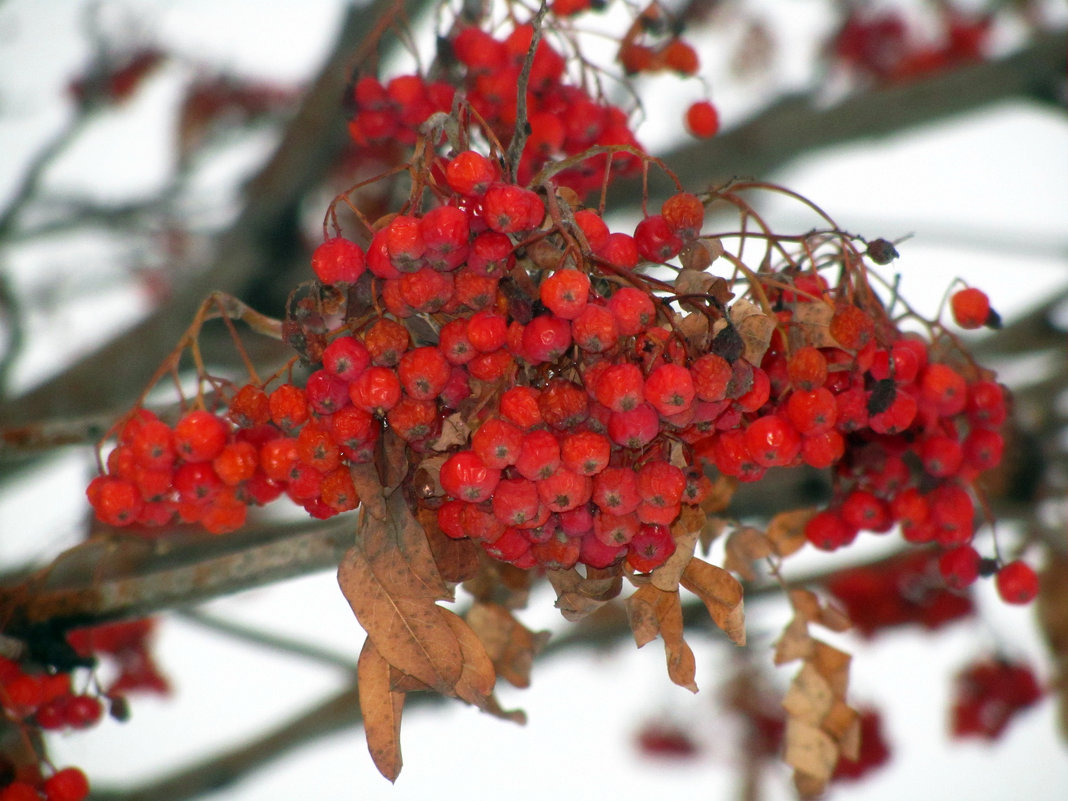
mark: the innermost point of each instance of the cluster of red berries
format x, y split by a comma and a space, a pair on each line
65, 784
127, 645
905, 590
207, 469
905, 435
988, 694
565, 461
886, 47
562, 119
40, 699
44, 701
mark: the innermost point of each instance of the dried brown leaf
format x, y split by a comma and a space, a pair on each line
456, 560
810, 698
395, 604
722, 596
511, 646
806, 604
694, 327
744, 546
721, 494
369, 487
578, 595
381, 708
493, 707
843, 724
786, 530
684, 531
642, 614
477, 678
810, 325
391, 459
755, 328
810, 750
795, 642
833, 664
455, 431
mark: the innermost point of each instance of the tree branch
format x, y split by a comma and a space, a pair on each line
115, 374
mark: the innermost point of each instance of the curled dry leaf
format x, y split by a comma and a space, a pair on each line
786, 530
391, 459
455, 431
511, 646
811, 325
394, 599
578, 595
653, 611
810, 751
694, 328
456, 560
754, 327
685, 531
744, 546
810, 698
721, 594
807, 606
380, 706
795, 642
477, 677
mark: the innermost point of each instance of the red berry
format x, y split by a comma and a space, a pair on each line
772, 441
959, 566
19, 791
656, 240
828, 531
497, 443
200, 436
115, 501
585, 452
565, 293
684, 214
679, 56
702, 120
851, 327
470, 173
1017, 583
346, 357
338, 261
68, 784
288, 407
670, 389
511, 209
464, 476
650, 548
971, 307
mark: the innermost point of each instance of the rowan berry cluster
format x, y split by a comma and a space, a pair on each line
39, 698
989, 694
43, 701
562, 119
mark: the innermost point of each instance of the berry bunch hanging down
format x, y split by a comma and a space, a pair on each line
503, 382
